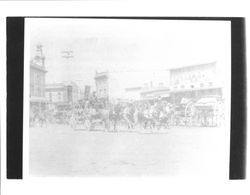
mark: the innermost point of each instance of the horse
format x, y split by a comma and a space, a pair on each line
149, 116
164, 117
94, 116
127, 116
40, 119
115, 115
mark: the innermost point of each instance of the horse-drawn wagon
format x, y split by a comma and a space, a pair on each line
184, 112
208, 110
89, 116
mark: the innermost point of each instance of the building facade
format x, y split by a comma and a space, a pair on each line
37, 82
130, 85
133, 93
102, 81
62, 94
194, 82
155, 92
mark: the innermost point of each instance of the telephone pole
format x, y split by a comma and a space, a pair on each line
67, 55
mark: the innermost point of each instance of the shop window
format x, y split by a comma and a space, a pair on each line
59, 95
50, 97
36, 89
39, 93
32, 89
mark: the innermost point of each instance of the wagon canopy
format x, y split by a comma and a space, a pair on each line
206, 102
185, 100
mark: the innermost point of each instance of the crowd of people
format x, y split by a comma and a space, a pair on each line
153, 114
127, 114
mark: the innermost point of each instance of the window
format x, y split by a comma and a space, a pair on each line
37, 79
39, 93
50, 96
59, 95
36, 89
32, 89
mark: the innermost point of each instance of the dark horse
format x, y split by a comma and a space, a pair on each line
115, 115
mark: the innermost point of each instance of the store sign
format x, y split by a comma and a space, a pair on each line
87, 92
193, 77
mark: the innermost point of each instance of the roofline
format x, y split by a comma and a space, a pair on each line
194, 89
155, 90
193, 65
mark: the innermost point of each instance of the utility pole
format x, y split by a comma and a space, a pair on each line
67, 55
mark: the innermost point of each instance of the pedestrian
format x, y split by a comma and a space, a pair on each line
126, 116
135, 116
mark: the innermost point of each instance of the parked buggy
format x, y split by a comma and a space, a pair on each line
184, 112
207, 111
61, 115
88, 116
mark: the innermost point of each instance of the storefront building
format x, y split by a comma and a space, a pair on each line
194, 82
62, 94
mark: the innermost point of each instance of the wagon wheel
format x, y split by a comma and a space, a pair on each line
177, 118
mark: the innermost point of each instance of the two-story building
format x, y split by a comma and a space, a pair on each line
132, 85
59, 95
102, 81
194, 81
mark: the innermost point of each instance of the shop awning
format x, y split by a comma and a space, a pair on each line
35, 99
206, 102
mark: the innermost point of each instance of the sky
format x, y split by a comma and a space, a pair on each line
144, 47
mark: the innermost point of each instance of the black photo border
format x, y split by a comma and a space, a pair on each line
15, 75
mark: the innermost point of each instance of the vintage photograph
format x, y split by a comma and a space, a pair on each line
128, 97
